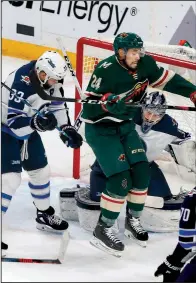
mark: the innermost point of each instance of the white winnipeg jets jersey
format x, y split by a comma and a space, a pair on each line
16, 115
160, 135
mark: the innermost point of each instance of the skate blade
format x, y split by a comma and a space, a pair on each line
129, 235
43, 227
100, 245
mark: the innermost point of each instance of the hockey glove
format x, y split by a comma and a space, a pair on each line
74, 140
48, 123
115, 104
170, 269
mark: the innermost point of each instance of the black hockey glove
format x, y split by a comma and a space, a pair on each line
74, 140
48, 123
169, 269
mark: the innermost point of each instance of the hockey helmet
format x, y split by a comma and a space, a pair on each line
153, 109
53, 64
127, 40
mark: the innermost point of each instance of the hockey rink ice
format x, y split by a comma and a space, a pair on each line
83, 262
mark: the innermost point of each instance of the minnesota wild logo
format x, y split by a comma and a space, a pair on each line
138, 90
123, 34
122, 157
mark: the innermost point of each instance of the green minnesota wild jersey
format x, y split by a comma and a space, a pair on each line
110, 76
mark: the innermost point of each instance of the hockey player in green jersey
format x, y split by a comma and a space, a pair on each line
120, 80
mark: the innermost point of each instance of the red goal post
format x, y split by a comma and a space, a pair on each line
174, 55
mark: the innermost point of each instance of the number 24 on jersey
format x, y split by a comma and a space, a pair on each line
96, 82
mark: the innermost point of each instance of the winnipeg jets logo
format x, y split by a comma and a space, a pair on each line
51, 63
25, 79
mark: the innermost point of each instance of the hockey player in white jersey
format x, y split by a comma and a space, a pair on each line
22, 146
172, 268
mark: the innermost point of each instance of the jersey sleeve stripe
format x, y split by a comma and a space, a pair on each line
188, 245
166, 77
188, 232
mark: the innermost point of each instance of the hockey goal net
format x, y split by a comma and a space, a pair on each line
178, 58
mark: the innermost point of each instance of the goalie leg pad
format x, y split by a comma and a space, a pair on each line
10, 183
88, 210
40, 187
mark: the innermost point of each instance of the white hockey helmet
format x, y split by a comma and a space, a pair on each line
53, 64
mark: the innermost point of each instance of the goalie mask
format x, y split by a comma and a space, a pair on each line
152, 110
53, 65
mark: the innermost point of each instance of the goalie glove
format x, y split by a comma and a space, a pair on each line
184, 154
170, 269
74, 140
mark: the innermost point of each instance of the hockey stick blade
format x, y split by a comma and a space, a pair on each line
154, 202
30, 260
62, 251
63, 246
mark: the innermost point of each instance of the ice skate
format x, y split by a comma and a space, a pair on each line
48, 221
105, 239
134, 230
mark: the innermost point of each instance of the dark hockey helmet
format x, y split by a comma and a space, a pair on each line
153, 109
127, 40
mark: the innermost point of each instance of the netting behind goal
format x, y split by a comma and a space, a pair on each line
180, 59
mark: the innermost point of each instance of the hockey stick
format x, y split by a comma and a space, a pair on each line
29, 260
69, 66
45, 96
25, 101
59, 260
78, 121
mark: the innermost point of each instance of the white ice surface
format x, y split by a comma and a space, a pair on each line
83, 263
